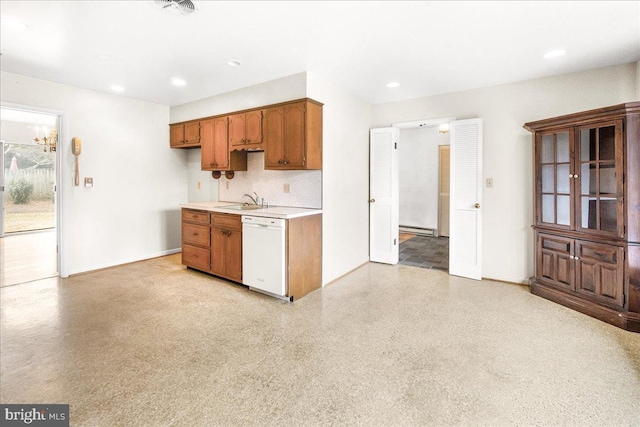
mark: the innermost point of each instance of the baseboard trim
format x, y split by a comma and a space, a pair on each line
619, 318
125, 261
345, 274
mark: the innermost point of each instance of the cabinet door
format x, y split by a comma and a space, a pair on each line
599, 207
226, 253
273, 137
599, 272
215, 149
234, 256
555, 179
554, 264
253, 127
192, 133
218, 242
237, 130
294, 136
176, 135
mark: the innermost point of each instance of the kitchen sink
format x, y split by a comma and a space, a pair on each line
242, 207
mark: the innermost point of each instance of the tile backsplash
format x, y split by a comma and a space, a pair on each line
305, 187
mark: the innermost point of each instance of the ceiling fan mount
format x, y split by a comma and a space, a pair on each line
182, 7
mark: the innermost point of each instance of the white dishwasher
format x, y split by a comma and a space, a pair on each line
263, 254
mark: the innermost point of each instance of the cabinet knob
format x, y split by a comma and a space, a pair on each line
372, 200
477, 206
576, 176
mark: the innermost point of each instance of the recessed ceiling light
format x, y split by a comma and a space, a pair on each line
554, 53
9, 22
117, 88
393, 84
178, 81
234, 63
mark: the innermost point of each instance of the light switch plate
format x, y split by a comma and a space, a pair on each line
489, 182
287, 188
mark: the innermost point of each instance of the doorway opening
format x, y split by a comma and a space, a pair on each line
28, 202
424, 194
465, 205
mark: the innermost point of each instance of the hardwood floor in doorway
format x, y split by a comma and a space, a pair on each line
424, 251
26, 257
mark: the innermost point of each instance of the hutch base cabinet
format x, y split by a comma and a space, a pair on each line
587, 212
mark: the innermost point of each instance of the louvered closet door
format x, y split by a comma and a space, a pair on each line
383, 196
465, 236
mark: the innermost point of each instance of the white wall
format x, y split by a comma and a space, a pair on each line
419, 178
202, 188
132, 211
507, 211
638, 81
345, 182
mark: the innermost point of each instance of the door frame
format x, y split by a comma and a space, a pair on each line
396, 204
440, 150
62, 185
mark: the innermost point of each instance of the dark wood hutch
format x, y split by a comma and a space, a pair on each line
587, 212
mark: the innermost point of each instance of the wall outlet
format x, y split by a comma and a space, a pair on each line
88, 182
287, 188
489, 182
199, 185
226, 183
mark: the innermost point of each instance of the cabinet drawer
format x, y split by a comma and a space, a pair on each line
195, 234
196, 217
196, 257
230, 221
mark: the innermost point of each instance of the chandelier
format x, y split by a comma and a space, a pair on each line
48, 142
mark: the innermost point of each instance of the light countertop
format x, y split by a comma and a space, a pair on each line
280, 212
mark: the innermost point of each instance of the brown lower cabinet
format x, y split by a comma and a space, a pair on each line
591, 270
212, 242
226, 246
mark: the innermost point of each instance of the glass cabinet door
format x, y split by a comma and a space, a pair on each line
555, 207
600, 202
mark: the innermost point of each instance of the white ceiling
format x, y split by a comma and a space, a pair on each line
428, 47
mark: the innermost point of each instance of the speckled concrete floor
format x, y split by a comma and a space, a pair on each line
153, 344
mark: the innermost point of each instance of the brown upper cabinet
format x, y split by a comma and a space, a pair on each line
215, 155
290, 134
184, 135
245, 130
293, 136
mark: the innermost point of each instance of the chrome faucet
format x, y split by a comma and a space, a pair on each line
255, 201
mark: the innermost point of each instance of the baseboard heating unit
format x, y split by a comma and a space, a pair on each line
420, 231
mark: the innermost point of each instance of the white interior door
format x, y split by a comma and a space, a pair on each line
465, 241
383, 195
